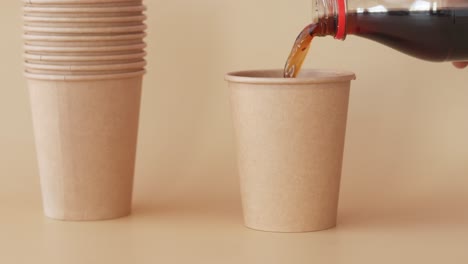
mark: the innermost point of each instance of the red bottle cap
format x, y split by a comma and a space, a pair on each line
341, 30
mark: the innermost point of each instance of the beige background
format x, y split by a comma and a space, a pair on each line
403, 196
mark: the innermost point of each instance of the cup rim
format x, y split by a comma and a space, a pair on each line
52, 77
64, 58
107, 30
80, 73
78, 38
50, 2
307, 76
96, 49
78, 20
83, 63
80, 10
77, 44
97, 67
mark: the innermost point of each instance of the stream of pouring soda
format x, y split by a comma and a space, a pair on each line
299, 51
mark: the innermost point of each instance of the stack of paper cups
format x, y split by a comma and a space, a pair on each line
84, 62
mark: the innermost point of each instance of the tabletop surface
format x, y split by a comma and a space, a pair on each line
417, 231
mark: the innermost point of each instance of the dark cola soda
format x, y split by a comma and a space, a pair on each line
432, 35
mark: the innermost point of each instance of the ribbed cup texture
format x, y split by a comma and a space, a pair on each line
83, 37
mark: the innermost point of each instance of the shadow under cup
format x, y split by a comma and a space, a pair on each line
290, 139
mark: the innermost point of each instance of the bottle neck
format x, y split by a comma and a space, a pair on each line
330, 15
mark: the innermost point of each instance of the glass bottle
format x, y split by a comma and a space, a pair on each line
433, 30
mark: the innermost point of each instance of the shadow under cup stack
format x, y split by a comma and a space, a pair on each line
84, 65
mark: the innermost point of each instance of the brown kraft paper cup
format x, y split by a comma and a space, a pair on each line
86, 40
87, 68
80, 73
83, 25
67, 31
85, 14
78, 3
86, 11
290, 139
88, 58
72, 64
102, 50
79, 44
86, 132
82, 20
